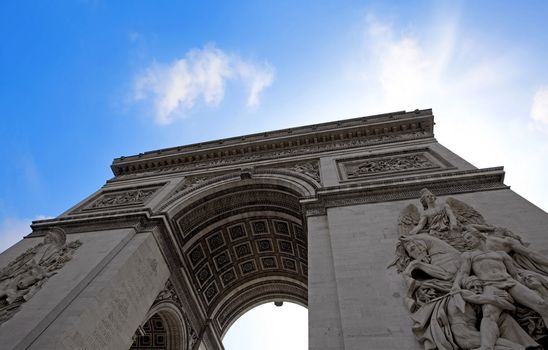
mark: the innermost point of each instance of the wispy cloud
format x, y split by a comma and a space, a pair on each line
476, 86
176, 88
407, 69
539, 109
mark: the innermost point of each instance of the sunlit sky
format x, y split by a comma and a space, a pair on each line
83, 82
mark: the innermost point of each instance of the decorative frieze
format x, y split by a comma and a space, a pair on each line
121, 198
190, 182
403, 162
242, 157
383, 165
310, 168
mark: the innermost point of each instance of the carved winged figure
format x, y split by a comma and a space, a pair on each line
443, 220
450, 243
26, 274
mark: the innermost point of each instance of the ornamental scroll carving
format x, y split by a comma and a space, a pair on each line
25, 275
470, 285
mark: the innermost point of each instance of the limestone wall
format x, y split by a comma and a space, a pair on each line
96, 301
353, 280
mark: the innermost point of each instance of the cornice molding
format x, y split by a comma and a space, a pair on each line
132, 218
446, 183
385, 128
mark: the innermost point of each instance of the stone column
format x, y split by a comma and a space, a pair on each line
324, 319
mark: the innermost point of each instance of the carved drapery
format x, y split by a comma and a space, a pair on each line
465, 278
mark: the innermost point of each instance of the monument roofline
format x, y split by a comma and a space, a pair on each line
381, 127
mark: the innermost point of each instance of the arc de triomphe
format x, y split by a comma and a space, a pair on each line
182, 241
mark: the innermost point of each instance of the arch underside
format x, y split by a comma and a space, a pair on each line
165, 328
243, 246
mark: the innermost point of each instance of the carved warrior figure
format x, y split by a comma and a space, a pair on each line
466, 279
25, 275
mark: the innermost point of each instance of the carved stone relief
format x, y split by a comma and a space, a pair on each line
309, 168
192, 181
25, 275
470, 285
403, 162
121, 198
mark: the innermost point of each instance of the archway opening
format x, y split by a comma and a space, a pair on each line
152, 335
243, 242
164, 329
269, 327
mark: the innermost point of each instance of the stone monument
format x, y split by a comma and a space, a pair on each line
388, 238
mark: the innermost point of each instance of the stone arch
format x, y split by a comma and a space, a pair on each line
187, 193
237, 304
164, 317
243, 241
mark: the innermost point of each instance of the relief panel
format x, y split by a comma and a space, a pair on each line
405, 162
120, 198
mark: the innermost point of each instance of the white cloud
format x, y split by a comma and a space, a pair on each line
202, 73
539, 109
477, 88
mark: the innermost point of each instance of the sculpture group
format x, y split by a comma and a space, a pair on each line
470, 285
25, 275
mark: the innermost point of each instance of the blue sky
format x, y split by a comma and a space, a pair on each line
83, 82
